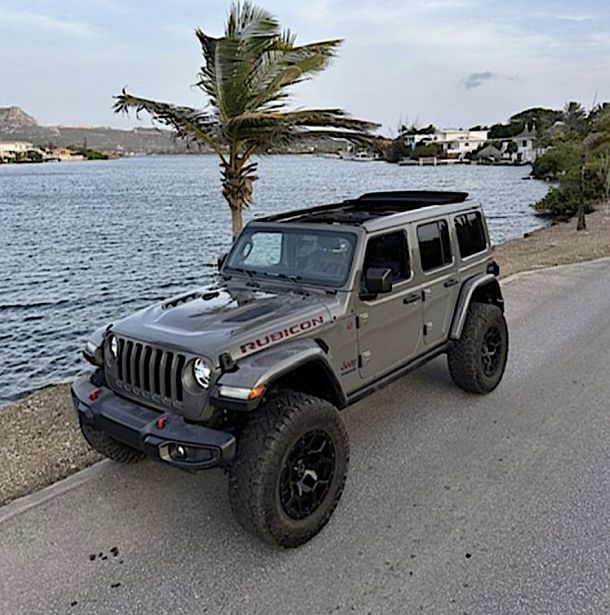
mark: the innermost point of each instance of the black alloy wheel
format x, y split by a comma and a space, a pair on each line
491, 351
307, 474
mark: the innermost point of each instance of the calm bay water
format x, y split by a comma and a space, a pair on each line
83, 243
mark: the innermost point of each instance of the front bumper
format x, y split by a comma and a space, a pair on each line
142, 429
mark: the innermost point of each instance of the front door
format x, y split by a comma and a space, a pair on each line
389, 325
440, 286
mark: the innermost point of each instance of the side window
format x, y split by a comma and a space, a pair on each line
434, 245
389, 251
470, 233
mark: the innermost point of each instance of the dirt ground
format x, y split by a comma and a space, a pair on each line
559, 244
44, 442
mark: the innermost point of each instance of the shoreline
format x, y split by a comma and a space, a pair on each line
46, 444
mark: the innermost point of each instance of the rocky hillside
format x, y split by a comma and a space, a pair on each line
17, 125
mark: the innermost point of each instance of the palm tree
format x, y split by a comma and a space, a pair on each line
246, 75
574, 117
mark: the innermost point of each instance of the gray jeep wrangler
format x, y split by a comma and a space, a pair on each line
312, 311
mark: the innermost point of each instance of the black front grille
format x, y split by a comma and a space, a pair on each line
149, 372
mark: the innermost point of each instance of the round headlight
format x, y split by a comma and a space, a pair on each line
202, 372
114, 346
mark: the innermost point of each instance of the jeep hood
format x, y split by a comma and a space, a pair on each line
232, 318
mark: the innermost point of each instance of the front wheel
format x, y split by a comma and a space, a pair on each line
290, 469
478, 359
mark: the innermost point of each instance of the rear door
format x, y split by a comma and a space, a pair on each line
440, 285
389, 325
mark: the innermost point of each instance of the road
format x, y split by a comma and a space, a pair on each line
454, 504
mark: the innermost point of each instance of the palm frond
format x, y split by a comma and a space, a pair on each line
189, 123
283, 66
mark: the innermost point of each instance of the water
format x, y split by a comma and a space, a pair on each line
83, 243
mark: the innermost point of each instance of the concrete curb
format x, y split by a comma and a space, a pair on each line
26, 502
520, 274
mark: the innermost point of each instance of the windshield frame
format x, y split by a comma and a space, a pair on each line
346, 232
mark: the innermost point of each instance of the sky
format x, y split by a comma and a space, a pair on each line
453, 63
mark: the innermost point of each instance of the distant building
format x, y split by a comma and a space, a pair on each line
456, 143
63, 154
526, 146
9, 150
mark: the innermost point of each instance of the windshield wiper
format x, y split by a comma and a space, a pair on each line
291, 278
251, 279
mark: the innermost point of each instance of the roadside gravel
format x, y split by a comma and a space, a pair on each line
42, 440
42, 443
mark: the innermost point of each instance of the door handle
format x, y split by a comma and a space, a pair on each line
412, 298
450, 282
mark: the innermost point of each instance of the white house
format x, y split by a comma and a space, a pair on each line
526, 146
10, 149
455, 142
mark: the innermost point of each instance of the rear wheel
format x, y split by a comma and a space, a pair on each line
478, 359
290, 469
109, 447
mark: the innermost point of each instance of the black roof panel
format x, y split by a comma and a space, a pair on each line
369, 206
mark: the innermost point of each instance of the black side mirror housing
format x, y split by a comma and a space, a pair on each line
378, 280
221, 260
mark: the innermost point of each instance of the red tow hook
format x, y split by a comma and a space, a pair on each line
161, 421
94, 394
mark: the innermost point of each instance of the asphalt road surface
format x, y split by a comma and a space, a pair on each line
454, 503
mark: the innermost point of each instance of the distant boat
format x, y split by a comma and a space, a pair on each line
358, 157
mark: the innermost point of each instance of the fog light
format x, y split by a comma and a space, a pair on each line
185, 454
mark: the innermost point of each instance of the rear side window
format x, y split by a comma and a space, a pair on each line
434, 245
470, 233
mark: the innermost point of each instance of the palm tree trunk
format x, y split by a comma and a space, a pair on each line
581, 225
237, 220
237, 180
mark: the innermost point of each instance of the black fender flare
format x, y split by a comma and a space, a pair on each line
471, 287
268, 366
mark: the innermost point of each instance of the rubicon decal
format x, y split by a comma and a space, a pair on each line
282, 334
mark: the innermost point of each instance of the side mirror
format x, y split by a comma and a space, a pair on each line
221, 260
378, 280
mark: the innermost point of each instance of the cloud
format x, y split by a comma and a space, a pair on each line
568, 17
475, 80
37, 21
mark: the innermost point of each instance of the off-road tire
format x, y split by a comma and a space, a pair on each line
465, 356
108, 446
264, 446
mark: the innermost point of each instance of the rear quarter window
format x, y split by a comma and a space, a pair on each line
470, 233
434, 245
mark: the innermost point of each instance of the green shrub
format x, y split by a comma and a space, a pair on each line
557, 160
396, 150
429, 150
563, 200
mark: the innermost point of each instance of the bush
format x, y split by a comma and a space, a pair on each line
563, 200
430, 150
557, 160
396, 150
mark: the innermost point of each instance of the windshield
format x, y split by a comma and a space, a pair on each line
310, 256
